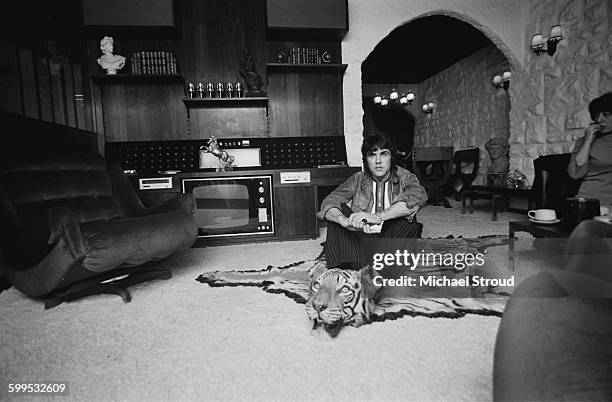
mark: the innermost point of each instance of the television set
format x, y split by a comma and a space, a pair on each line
232, 206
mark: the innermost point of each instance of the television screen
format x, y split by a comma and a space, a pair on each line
221, 206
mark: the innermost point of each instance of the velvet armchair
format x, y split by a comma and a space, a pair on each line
71, 225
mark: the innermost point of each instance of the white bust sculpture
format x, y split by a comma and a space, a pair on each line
108, 61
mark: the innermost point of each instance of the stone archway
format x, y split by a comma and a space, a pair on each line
370, 23
484, 29
469, 109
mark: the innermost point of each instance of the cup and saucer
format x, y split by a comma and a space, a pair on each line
605, 214
543, 216
604, 218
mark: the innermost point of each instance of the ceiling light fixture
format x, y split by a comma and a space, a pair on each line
394, 98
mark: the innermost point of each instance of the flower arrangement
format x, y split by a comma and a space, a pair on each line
516, 177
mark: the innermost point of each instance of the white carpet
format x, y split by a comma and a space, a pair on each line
182, 340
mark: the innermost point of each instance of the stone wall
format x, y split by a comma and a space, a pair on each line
372, 20
469, 109
550, 94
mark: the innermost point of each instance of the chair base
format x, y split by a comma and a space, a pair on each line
95, 286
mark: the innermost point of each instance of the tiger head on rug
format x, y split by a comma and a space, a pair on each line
339, 297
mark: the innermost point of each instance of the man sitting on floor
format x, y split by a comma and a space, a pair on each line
384, 199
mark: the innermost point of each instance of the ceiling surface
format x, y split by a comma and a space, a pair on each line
420, 49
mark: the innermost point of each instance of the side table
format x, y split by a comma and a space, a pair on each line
557, 230
496, 194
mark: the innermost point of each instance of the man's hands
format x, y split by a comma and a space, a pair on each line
346, 223
370, 223
360, 221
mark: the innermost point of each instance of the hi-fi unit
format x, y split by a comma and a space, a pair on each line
155, 183
153, 157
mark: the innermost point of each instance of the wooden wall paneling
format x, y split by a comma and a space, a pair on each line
79, 97
97, 114
305, 103
45, 98
143, 112
177, 113
114, 113
68, 80
215, 34
57, 93
295, 211
226, 122
29, 87
321, 104
155, 112
10, 96
283, 91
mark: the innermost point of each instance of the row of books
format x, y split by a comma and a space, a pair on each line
153, 63
304, 55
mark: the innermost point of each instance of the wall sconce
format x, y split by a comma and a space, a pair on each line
394, 98
502, 81
428, 108
538, 41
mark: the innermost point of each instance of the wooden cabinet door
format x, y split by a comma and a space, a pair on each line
295, 209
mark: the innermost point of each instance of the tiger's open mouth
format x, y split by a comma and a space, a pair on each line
332, 329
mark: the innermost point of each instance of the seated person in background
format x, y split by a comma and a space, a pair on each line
555, 338
592, 155
384, 199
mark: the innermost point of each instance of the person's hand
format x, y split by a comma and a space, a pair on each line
590, 131
413, 211
369, 229
359, 219
345, 223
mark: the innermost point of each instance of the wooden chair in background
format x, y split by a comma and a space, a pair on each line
432, 165
465, 169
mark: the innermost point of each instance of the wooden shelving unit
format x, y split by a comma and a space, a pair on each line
225, 102
306, 67
139, 79
253, 101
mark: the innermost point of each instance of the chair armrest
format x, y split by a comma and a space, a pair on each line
124, 192
181, 201
63, 224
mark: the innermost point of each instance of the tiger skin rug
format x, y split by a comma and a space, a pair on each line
335, 298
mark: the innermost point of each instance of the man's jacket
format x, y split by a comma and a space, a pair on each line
356, 192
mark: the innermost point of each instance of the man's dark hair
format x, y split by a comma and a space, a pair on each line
601, 104
372, 142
